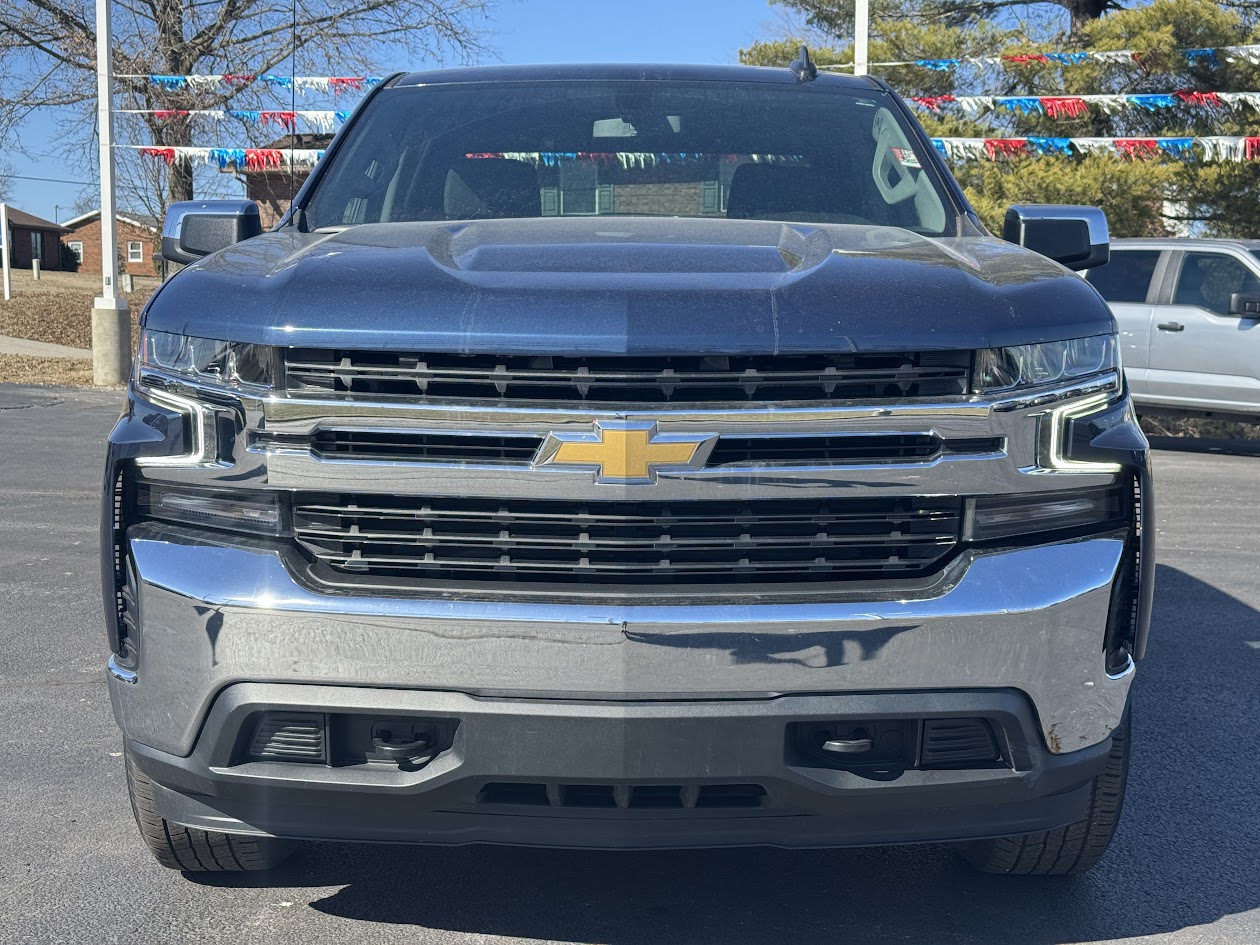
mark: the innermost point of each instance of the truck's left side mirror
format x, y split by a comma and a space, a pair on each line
196, 228
1075, 237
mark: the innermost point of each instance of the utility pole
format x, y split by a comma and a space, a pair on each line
4, 250
861, 35
111, 318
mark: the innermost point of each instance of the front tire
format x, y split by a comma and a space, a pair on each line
197, 851
1066, 850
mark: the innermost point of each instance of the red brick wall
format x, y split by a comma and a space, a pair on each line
273, 193
89, 234
20, 250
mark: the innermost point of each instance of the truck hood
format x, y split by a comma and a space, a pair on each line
616, 285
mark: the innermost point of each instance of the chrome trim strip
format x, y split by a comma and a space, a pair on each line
224, 576
128, 676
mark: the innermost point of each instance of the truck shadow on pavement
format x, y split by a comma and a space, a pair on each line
1185, 854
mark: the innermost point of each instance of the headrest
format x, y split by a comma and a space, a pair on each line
759, 191
481, 188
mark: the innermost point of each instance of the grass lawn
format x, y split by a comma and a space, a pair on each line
58, 308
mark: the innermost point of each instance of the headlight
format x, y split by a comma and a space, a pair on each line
232, 364
1027, 366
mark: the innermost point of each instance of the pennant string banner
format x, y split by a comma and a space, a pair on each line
1077, 106
1249, 53
319, 121
1211, 148
301, 83
254, 159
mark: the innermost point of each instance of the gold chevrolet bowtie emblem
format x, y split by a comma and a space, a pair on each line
626, 451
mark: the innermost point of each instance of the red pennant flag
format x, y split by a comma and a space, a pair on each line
1005, 146
1251, 148
1025, 58
261, 159
1137, 147
239, 79
339, 84
166, 154
287, 119
933, 102
1206, 99
164, 114
1065, 107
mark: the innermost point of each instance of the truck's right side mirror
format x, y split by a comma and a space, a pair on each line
196, 228
1075, 237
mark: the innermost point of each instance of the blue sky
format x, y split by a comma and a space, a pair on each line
523, 31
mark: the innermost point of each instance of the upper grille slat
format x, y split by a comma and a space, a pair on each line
454, 539
479, 378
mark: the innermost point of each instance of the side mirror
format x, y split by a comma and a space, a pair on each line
196, 228
1245, 304
1075, 237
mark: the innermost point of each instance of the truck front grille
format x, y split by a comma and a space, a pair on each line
759, 541
483, 378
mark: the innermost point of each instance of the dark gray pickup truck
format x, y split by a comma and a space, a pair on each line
625, 457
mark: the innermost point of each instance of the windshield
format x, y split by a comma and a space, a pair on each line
806, 154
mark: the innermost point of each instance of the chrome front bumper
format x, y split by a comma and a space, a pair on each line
1030, 619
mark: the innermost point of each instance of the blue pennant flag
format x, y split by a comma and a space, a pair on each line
1068, 59
169, 82
284, 81
1177, 147
1152, 102
1028, 105
374, 80
1206, 55
341, 116
940, 65
252, 117
225, 156
1051, 145
940, 146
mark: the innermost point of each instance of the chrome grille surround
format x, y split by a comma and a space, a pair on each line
999, 444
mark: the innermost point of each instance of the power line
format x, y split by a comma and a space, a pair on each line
47, 180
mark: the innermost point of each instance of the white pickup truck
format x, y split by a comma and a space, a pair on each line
1188, 311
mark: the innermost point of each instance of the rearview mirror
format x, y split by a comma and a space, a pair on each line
1245, 304
1075, 237
196, 228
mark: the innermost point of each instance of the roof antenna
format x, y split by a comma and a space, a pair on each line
803, 68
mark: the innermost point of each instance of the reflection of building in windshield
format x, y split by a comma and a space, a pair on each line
585, 183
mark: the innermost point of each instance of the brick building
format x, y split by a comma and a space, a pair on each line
139, 247
32, 238
274, 189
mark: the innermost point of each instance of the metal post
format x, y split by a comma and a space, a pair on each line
861, 35
4, 251
111, 320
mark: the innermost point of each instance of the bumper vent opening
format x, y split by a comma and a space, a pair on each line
623, 797
957, 743
289, 737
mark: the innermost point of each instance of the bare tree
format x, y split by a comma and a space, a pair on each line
47, 54
6, 182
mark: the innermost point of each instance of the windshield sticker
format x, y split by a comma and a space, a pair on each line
906, 157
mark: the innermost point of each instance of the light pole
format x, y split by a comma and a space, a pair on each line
111, 319
861, 35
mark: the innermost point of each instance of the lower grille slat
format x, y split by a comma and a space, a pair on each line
454, 539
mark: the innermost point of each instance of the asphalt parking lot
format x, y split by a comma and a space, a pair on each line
1185, 867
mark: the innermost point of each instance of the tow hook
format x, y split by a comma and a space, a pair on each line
410, 755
